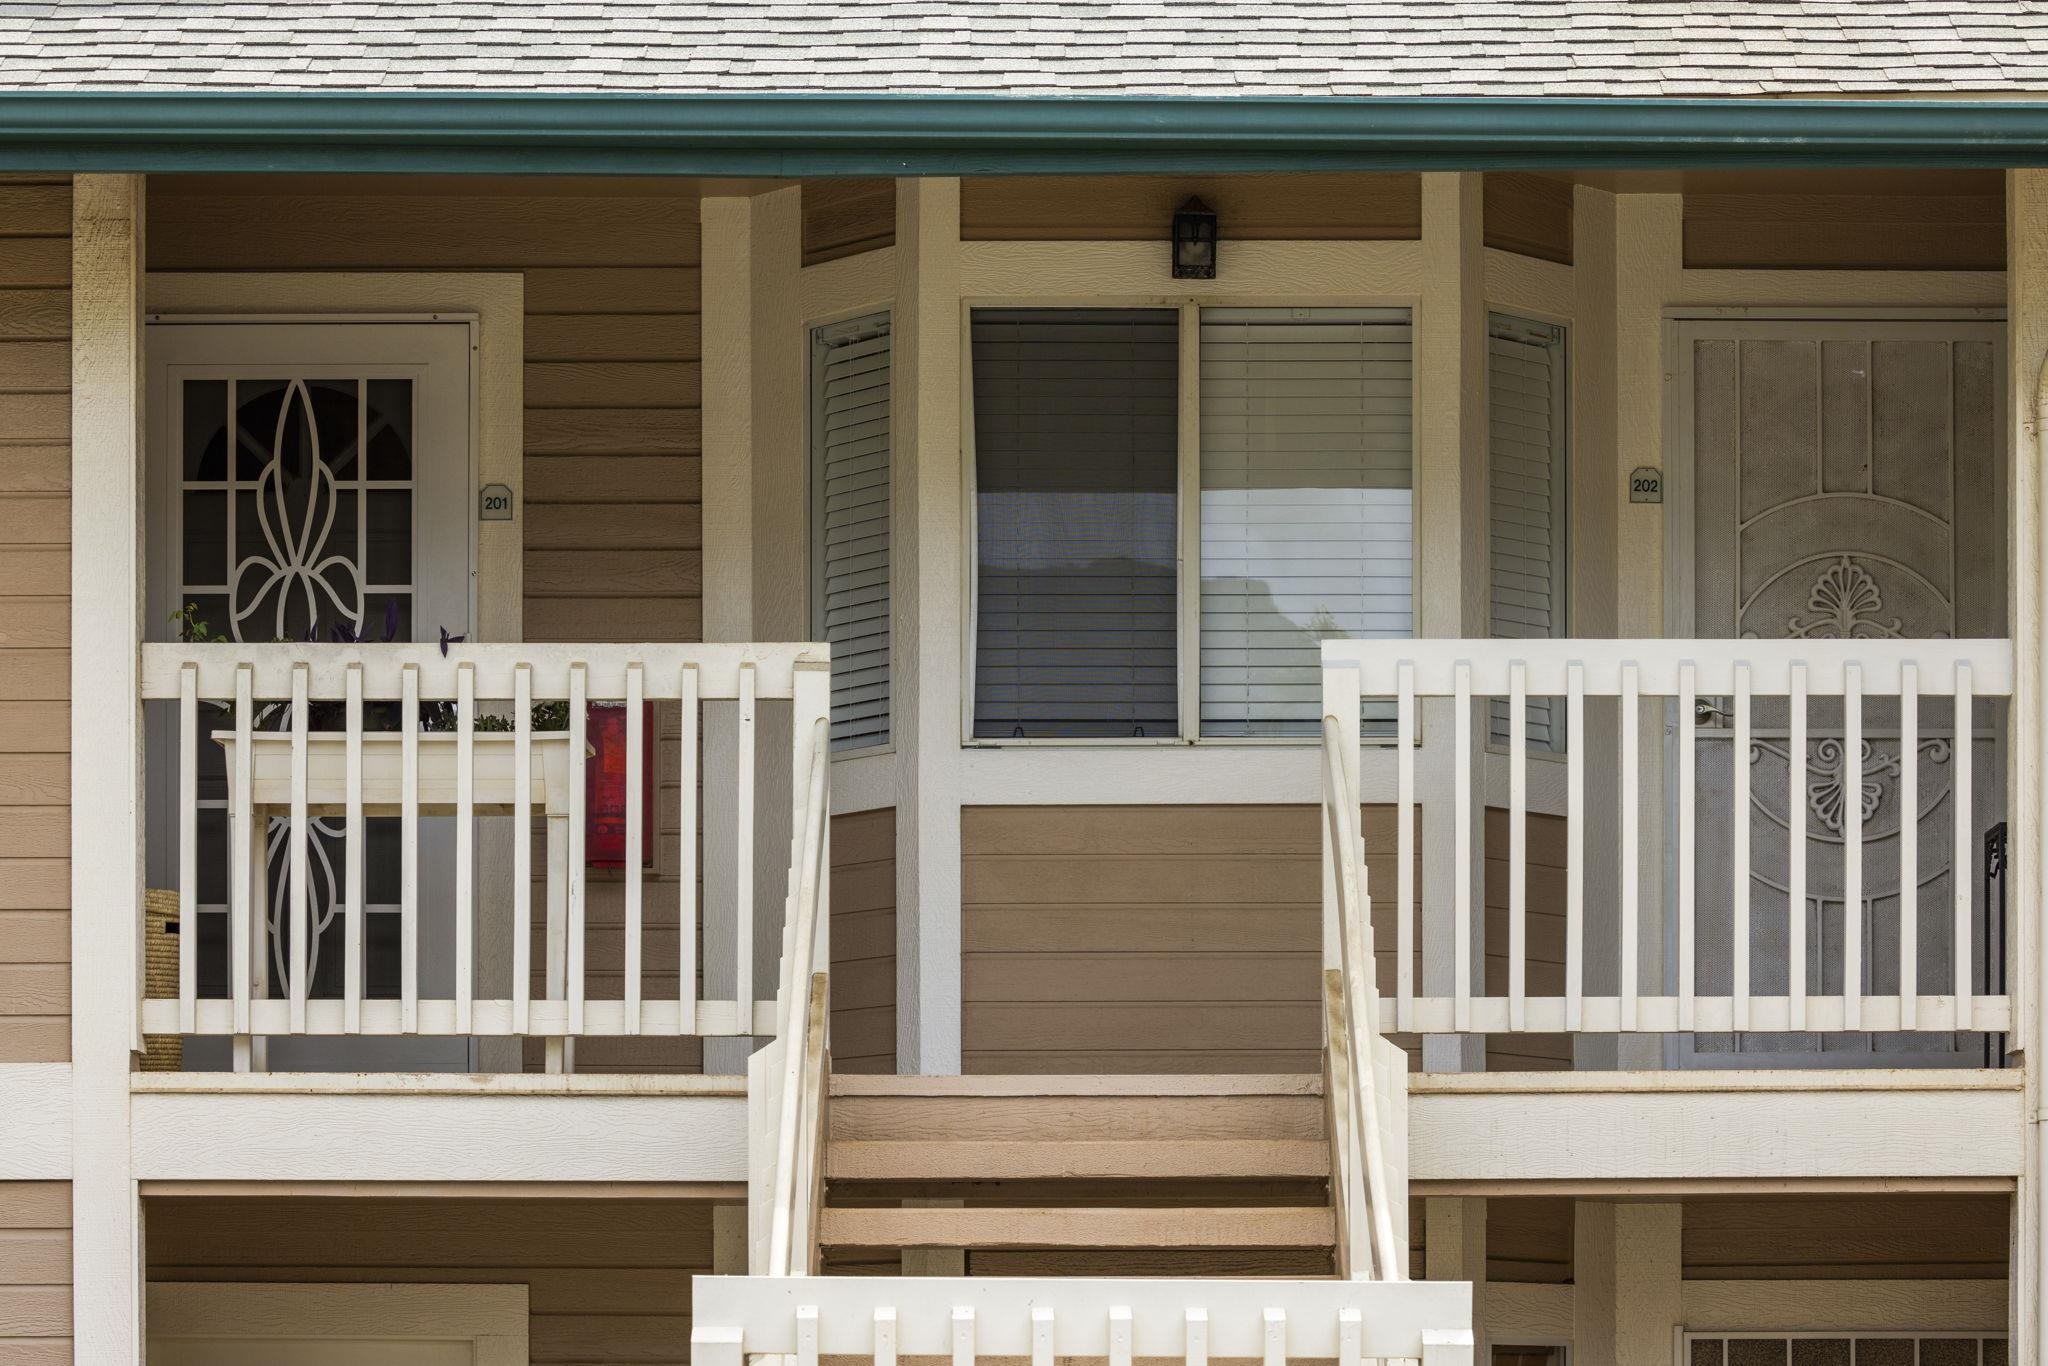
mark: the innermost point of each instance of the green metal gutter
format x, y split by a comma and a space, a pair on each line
829, 135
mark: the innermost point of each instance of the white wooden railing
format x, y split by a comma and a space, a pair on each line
884, 1319
1805, 698
1362, 1087
256, 704
787, 1078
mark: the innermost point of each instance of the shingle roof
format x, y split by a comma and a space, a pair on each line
1038, 47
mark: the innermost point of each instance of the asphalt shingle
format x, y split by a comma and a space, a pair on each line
1038, 47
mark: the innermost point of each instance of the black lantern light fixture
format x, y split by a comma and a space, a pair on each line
1194, 241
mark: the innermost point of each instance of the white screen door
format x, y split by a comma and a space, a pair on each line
1847, 483
310, 482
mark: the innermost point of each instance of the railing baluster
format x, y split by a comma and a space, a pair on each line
1276, 1336
963, 1335
1041, 1335
885, 1335
353, 839
1688, 829
1962, 802
1795, 874
1909, 845
1350, 1337
465, 847
1119, 1335
1196, 1350
1852, 846
743, 893
686, 859
1518, 845
579, 704
244, 853
1631, 892
522, 848
301, 927
635, 780
409, 848
188, 848
1575, 835
1738, 899
1461, 814
1404, 848
807, 1335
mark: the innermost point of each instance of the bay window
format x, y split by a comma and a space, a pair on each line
1299, 467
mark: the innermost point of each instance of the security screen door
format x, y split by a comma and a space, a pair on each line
1847, 482
308, 482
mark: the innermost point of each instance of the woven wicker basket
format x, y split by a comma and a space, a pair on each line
161, 1052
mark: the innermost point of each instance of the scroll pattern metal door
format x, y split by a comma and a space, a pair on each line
1847, 484
301, 492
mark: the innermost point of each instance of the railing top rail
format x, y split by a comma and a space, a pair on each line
718, 668
1392, 1316
1430, 668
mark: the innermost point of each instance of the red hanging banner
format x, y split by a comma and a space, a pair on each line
604, 795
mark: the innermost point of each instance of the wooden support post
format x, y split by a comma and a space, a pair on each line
1454, 1249
1626, 1264
106, 760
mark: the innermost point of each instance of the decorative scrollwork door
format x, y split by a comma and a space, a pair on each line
308, 484
1847, 483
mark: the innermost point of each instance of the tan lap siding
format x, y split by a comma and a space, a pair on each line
35, 1273
35, 621
612, 515
1930, 220
847, 217
608, 1280
1371, 206
1846, 1237
1187, 938
864, 942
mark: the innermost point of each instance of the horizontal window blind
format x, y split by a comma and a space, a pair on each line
850, 509
1525, 498
1076, 442
1308, 505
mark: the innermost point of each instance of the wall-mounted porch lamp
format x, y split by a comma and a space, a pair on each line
1194, 241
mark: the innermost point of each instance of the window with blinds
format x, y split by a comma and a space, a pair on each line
1076, 417
1525, 499
850, 522
1307, 478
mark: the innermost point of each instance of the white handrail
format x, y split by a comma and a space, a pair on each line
304, 773
1827, 709
800, 1008
1345, 848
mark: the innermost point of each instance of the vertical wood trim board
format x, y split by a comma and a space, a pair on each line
35, 620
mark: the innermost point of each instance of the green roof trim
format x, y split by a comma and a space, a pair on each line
885, 135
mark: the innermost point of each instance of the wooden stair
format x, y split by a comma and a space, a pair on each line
1034, 1175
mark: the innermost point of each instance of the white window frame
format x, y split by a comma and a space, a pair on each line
1188, 538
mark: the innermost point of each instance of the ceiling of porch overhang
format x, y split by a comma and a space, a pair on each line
1583, 48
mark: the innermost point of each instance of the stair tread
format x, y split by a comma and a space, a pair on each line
1084, 1084
1053, 1158
996, 1227
1078, 1118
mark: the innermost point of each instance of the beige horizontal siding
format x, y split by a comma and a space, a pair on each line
1334, 207
608, 1281
864, 942
35, 1273
613, 386
847, 217
35, 624
1188, 938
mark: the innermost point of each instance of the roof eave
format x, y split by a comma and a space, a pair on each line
875, 135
